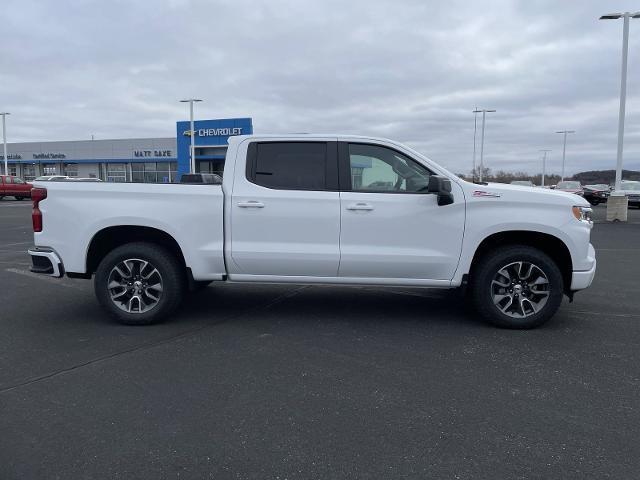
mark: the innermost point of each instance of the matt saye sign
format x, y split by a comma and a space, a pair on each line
48, 156
215, 132
153, 153
12, 156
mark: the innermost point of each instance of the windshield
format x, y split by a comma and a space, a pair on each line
525, 183
630, 186
569, 185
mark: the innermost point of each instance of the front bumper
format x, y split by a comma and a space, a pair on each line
583, 278
46, 262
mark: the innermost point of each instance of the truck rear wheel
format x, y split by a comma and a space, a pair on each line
517, 287
139, 283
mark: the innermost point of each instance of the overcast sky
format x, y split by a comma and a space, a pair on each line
408, 70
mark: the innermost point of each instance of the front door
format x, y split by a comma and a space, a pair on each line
285, 211
391, 227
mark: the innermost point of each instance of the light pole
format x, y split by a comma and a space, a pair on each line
4, 141
544, 165
475, 128
484, 116
623, 85
564, 149
192, 154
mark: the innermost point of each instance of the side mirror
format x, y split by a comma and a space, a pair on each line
441, 186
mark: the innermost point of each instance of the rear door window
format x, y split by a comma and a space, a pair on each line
293, 165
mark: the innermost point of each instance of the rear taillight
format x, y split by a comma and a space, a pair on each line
37, 195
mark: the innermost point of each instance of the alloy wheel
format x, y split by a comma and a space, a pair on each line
135, 285
520, 289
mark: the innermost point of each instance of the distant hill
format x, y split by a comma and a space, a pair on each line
605, 176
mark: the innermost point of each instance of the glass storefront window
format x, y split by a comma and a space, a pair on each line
210, 166
116, 172
49, 170
29, 172
71, 169
154, 172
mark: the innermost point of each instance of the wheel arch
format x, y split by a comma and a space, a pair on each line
547, 243
112, 237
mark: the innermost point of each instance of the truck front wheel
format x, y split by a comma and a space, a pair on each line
517, 287
139, 283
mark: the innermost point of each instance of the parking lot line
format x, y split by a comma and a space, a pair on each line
16, 243
44, 278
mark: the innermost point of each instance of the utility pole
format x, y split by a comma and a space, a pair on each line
4, 141
564, 149
192, 154
475, 128
618, 203
623, 86
544, 165
484, 116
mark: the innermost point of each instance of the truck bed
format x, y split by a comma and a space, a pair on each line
191, 214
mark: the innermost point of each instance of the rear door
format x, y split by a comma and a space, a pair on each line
21, 186
391, 227
285, 210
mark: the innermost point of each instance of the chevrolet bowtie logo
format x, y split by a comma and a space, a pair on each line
186, 133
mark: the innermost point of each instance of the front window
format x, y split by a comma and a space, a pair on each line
17, 180
380, 169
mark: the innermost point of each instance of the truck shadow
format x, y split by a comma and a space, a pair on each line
313, 304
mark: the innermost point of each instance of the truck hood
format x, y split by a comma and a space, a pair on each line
523, 194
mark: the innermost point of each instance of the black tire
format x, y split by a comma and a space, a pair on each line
171, 278
19, 198
486, 270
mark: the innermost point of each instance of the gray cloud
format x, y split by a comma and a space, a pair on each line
408, 70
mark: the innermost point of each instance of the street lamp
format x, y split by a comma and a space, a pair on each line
484, 115
544, 165
623, 85
4, 141
475, 128
564, 148
192, 159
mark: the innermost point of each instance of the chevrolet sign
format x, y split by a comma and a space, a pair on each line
215, 132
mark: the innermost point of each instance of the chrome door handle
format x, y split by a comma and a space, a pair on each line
360, 206
251, 204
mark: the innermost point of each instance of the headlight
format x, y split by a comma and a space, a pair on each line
583, 214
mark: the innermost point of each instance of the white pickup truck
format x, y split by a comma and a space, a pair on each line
318, 209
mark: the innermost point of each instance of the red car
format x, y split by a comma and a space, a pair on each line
14, 187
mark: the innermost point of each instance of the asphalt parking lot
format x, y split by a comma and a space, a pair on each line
317, 382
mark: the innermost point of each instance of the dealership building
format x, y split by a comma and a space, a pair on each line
151, 160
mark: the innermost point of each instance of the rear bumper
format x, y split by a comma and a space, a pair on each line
46, 262
582, 279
